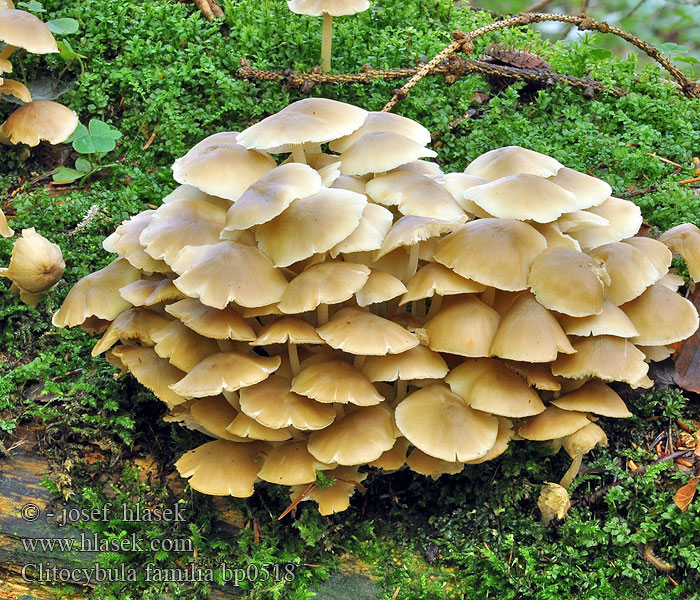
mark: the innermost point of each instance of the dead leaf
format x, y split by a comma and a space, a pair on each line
684, 496
553, 502
687, 375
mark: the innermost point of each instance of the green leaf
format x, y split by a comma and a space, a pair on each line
101, 129
98, 138
63, 26
80, 131
669, 47
66, 175
32, 6
691, 60
83, 164
66, 51
599, 53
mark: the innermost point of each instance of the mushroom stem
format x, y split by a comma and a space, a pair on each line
435, 305
572, 471
412, 265
322, 314
232, 399
401, 387
326, 42
488, 296
224, 345
298, 154
359, 361
294, 359
7, 51
419, 307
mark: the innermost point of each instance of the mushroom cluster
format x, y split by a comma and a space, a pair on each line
354, 305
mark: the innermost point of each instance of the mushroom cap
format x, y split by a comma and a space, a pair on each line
375, 223
225, 371
553, 423
182, 346
392, 459
380, 287
585, 439
125, 241
625, 219
528, 332
290, 463
213, 414
456, 184
5, 230
486, 384
538, 375
439, 422
97, 295
39, 120
610, 321
20, 91
657, 353
414, 194
630, 271
151, 371
594, 397
435, 278
328, 282
495, 252
432, 467
36, 264
287, 329
523, 197
512, 160
380, 151
219, 166
580, 219
685, 240
656, 252
357, 438
417, 363
222, 468
245, 427
661, 316
310, 226
272, 194
311, 120
411, 230
505, 435
334, 498
132, 324
465, 327
568, 281
24, 30
147, 292
220, 324
336, 381
179, 223
606, 357
554, 236
228, 272
381, 121
272, 404
589, 191
358, 331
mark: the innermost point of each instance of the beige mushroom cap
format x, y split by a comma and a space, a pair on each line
132, 324
36, 264
610, 321
568, 281
439, 422
528, 332
225, 371
417, 363
97, 294
656, 252
375, 223
219, 324
606, 357
505, 435
381, 151
151, 371
685, 240
465, 327
580, 219
523, 197
310, 226
486, 384
182, 346
392, 459
625, 219
435, 278
147, 292
287, 330
334, 498
382, 121
359, 437
512, 160
272, 194
661, 316
272, 404
456, 184
553, 423
9, 87
179, 223
554, 236
584, 440
220, 167
414, 194
228, 272
125, 242
495, 252
222, 468
245, 427
24, 30
213, 414
538, 375
411, 230
589, 191
594, 397
312, 120
336, 381
39, 120
5, 230
328, 282
380, 287
432, 467
358, 331
290, 463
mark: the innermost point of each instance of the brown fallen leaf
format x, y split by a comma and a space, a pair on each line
684, 496
687, 359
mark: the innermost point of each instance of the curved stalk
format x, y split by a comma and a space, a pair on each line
326, 42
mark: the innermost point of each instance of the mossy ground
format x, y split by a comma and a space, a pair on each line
159, 67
